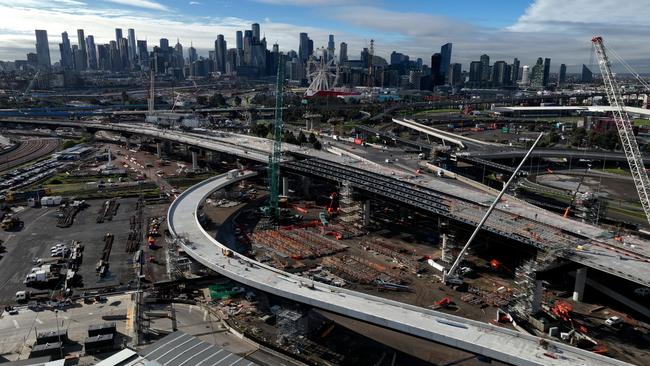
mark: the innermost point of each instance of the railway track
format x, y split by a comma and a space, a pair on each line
28, 150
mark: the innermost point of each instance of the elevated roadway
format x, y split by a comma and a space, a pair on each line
480, 338
508, 153
458, 140
514, 219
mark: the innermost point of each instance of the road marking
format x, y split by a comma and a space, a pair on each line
66, 317
39, 321
205, 314
16, 324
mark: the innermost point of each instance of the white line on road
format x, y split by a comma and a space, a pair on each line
39, 321
16, 324
205, 314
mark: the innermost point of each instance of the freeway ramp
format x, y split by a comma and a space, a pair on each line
476, 337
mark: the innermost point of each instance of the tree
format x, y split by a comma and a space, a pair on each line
289, 137
217, 100
237, 101
312, 138
577, 136
202, 100
317, 145
302, 138
125, 98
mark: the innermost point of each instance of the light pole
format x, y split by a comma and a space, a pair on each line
58, 333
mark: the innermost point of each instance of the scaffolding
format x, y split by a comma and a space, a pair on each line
350, 211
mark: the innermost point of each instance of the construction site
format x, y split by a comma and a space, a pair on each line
241, 227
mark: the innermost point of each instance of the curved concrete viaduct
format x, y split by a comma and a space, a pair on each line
480, 338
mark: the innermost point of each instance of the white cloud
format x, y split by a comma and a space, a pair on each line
145, 4
194, 3
328, 3
580, 15
415, 34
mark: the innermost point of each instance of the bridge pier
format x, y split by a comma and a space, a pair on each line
285, 186
537, 297
195, 164
366, 213
579, 287
305, 183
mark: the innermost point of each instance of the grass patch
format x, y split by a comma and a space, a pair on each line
641, 122
619, 171
622, 211
437, 111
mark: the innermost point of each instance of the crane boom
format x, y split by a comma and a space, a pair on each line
624, 127
276, 155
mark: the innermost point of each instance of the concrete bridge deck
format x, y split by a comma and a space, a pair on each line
480, 338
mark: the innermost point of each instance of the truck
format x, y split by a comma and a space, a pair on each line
41, 276
24, 296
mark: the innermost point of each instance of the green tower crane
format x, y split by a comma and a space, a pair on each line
276, 155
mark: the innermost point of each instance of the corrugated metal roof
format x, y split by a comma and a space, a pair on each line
181, 349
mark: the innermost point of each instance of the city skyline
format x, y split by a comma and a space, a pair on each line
500, 40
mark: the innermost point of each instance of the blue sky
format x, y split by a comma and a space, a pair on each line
504, 29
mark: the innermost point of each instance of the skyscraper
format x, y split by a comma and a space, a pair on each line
500, 75
81, 60
164, 44
343, 52
92, 52
537, 77
239, 38
445, 54
256, 32
132, 49
42, 49
525, 75
475, 74
330, 47
485, 68
587, 76
436, 76
103, 57
220, 51
143, 53
248, 48
454, 74
191, 54
561, 78
547, 69
514, 72
118, 35
303, 47
67, 62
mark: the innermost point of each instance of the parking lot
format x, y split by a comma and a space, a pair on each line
40, 233
18, 332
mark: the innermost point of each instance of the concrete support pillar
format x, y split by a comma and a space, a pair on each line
158, 150
285, 186
537, 297
366, 213
444, 254
306, 183
195, 165
579, 288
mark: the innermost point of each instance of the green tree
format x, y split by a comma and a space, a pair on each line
312, 138
202, 100
125, 98
317, 145
217, 100
237, 101
302, 138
